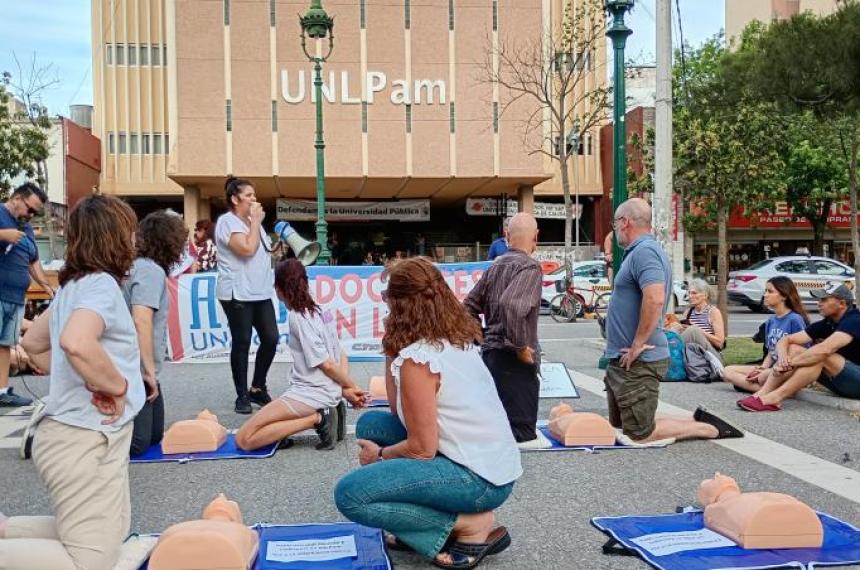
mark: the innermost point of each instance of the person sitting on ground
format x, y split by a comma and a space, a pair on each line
20, 361
202, 247
81, 444
834, 360
443, 459
703, 324
319, 378
781, 297
636, 346
160, 243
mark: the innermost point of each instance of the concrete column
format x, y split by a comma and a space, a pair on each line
191, 206
204, 209
526, 197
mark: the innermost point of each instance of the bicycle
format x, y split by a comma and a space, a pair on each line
569, 305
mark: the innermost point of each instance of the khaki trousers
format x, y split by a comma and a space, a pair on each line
86, 473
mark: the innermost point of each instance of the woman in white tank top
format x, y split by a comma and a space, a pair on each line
443, 459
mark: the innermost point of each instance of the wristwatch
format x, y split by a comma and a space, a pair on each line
379, 457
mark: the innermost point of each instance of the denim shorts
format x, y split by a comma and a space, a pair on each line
11, 317
846, 383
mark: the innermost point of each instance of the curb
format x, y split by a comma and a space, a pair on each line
823, 399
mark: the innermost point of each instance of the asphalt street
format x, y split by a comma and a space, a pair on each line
806, 450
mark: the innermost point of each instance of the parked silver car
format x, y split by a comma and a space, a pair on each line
746, 287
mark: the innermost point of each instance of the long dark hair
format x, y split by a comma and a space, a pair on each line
99, 238
291, 282
208, 231
161, 238
788, 290
233, 187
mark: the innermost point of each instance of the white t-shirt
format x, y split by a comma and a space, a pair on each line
473, 426
69, 401
242, 278
313, 340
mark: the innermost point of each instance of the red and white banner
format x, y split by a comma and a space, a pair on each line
198, 331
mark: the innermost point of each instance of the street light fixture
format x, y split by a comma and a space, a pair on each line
618, 32
317, 25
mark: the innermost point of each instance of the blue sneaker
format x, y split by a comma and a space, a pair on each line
12, 400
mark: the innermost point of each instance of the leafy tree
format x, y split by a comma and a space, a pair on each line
23, 145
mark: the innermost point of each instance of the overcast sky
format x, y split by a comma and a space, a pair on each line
58, 32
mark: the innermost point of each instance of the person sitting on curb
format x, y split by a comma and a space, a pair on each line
834, 360
703, 324
781, 297
319, 380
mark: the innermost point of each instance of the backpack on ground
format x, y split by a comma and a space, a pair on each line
698, 366
677, 367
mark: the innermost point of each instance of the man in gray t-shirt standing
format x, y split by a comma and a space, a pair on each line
636, 345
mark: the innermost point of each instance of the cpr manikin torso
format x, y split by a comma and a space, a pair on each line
758, 520
220, 541
193, 436
579, 428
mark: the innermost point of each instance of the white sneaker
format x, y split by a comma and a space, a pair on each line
25, 451
540, 442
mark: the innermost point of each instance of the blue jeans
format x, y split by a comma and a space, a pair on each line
417, 500
11, 316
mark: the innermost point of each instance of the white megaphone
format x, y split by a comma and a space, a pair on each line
306, 251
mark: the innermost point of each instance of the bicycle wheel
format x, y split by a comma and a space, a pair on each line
561, 308
601, 306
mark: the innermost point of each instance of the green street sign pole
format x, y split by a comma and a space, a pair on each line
618, 33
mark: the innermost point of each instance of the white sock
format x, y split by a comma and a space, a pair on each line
4, 390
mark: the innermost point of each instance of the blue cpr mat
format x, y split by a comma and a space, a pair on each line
557, 446
277, 541
228, 450
841, 545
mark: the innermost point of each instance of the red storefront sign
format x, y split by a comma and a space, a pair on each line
781, 216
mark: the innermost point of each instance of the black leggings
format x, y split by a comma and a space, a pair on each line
148, 425
518, 387
241, 317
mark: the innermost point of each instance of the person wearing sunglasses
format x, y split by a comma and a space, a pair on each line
19, 261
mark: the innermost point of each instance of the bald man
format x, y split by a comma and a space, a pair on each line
508, 295
636, 345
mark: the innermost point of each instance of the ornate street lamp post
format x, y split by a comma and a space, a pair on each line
317, 24
618, 32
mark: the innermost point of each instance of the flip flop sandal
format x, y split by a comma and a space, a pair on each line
465, 556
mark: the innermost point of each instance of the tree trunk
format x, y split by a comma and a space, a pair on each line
852, 185
818, 226
723, 263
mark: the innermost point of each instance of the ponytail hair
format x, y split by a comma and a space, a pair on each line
233, 187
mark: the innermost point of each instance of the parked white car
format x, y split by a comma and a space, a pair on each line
592, 276
746, 287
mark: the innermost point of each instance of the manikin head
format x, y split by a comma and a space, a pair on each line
632, 219
522, 232
222, 509
716, 489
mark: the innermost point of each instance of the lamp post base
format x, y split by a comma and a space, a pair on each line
324, 258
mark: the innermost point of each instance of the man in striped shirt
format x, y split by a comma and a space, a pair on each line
508, 295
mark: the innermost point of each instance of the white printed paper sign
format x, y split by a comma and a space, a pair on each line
314, 550
555, 381
663, 543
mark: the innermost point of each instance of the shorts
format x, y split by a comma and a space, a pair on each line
632, 396
298, 408
11, 317
846, 383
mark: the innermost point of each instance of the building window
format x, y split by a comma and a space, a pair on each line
122, 143
495, 117
364, 116
111, 143
120, 54
164, 54
144, 55
109, 54
229, 115
134, 145
166, 143
451, 116
132, 54
495, 15
226, 12
156, 55
408, 118
588, 149
147, 149
272, 16
407, 14
362, 14
274, 116
451, 15
589, 63
156, 143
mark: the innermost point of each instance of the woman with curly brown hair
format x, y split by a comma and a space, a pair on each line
160, 242
443, 459
81, 446
319, 378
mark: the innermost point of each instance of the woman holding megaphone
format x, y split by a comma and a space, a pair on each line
244, 289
